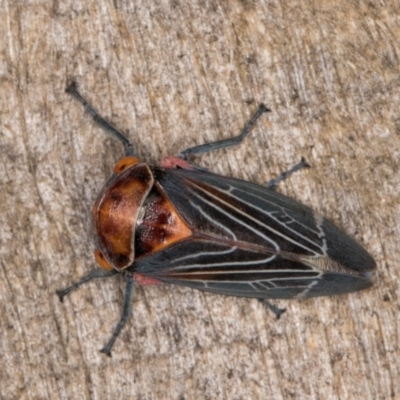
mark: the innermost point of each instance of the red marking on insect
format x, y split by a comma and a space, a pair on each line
145, 280
176, 162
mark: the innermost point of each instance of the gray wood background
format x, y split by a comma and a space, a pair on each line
172, 74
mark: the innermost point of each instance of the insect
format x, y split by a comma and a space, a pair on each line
178, 223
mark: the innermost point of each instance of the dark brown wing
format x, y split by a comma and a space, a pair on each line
254, 242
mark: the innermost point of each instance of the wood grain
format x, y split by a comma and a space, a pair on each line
172, 74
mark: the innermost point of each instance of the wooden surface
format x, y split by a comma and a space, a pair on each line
173, 74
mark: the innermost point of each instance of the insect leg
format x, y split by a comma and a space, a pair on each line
93, 274
129, 149
221, 144
277, 311
284, 175
126, 311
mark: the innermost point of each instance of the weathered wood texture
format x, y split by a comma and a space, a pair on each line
173, 74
